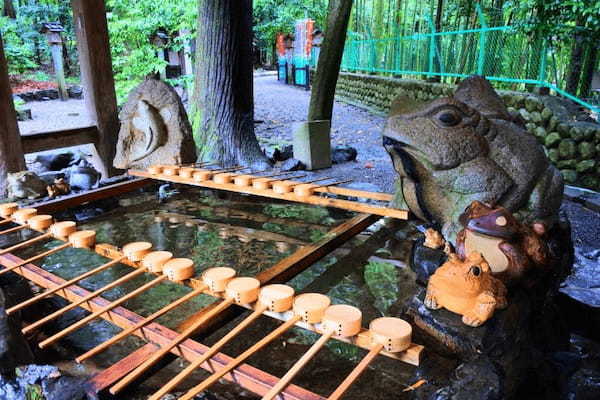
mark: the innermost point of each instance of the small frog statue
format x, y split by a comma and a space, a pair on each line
58, 188
466, 288
510, 247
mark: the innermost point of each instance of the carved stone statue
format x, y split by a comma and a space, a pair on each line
25, 185
154, 128
456, 150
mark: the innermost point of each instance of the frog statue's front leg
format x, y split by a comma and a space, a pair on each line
484, 307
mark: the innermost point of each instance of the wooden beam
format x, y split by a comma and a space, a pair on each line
89, 20
74, 200
12, 158
34, 142
250, 378
314, 200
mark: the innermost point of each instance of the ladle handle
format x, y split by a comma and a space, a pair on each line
87, 298
286, 379
35, 258
164, 350
209, 353
356, 372
123, 334
63, 286
25, 243
240, 359
15, 229
45, 343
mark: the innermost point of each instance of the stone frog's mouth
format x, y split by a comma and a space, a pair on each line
404, 162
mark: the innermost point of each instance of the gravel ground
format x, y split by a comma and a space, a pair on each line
279, 106
53, 115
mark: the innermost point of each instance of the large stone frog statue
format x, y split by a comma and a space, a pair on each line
468, 147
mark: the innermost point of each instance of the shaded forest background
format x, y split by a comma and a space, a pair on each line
573, 26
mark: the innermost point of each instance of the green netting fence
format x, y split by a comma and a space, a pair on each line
502, 54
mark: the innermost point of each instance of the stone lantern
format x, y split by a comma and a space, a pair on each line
53, 32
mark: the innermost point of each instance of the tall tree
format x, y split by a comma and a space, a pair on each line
223, 117
9, 9
330, 58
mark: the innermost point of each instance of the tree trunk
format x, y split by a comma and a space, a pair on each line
588, 70
9, 9
328, 68
576, 61
223, 114
11, 150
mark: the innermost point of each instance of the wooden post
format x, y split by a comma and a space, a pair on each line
53, 30
11, 150
89, 18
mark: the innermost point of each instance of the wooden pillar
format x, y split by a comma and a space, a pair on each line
11, 150
89, 19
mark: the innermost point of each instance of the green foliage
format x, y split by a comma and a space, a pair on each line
274, 16
382, 280
132, 23
25, 47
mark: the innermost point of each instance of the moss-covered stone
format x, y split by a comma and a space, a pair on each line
587, 150
590, 181
567, 164
536, 117
546, 113
552, 139
563, 129
577, 134
553, 155
539, 132
532, 104
567, 149
553, 123
525, 114
569, 175
585, 165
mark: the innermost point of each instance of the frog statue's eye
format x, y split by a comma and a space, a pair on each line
475, 270
448, 117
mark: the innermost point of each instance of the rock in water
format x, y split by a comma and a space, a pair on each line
342, 154
25, 185
154, 128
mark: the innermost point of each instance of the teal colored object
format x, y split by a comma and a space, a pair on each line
501, 54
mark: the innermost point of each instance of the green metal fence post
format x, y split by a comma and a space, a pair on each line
431, 44
543, 56
482, 40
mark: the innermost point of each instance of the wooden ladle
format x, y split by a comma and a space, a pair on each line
20, 216
246, 180
308, 307
387, 333
6, 210
276, 298
37, 223
203, 175
340, 320
78, 240
217, 280
176, 269
134, 250
308, 189
221, 276
265, 183
283, 187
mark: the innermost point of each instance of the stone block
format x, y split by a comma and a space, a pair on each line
312, 144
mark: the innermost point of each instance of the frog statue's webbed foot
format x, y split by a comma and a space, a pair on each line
431, 302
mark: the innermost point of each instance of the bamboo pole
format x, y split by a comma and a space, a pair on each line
45, 343
26, 243
103, 346
166, 349
209, 353
64, 285
39, 256
56, 314
241, 358
301, 363
356, 372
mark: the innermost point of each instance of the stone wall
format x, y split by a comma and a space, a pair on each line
573, 146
